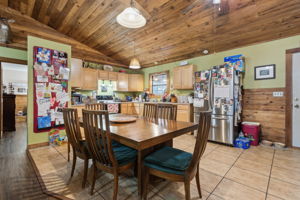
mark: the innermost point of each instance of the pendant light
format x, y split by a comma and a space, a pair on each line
5, 30
134, 63
131, 17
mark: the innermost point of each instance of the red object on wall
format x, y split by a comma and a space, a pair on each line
252, 131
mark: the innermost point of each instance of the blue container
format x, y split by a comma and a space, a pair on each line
242, 142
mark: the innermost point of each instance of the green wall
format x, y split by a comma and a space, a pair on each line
260, 54
13, 53
34, 138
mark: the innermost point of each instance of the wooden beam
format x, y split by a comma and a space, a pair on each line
4, 2
25, 25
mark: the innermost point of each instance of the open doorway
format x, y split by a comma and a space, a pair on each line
14, 85
293, 97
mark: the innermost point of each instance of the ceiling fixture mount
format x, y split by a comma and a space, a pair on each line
134, 63
131, 17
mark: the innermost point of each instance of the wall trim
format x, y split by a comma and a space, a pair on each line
33, 146
13, 60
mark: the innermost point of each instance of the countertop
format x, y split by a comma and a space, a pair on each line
82, 105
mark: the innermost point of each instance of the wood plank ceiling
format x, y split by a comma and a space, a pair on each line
175, 30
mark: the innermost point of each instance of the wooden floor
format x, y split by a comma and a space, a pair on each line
17, 177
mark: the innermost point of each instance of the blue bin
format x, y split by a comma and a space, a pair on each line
242, 142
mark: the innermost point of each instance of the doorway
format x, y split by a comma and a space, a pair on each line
293, 98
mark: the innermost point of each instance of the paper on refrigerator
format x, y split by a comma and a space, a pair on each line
222, 91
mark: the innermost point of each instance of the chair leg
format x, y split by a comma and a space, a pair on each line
187, 190
74, 163
145, 187
198, 182
69, 152
94, 178
116, 186
86, 164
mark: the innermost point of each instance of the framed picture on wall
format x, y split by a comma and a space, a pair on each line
265, 72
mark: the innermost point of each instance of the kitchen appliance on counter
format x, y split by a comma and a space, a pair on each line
104, 98
219, 90
77, 98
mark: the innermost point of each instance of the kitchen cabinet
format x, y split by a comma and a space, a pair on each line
76, 75
113, 76
185, 112
122, 84
183, 77
103, 75
90, 79
136, 82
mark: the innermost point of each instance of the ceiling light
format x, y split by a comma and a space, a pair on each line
134, 64
216, 1
131, 17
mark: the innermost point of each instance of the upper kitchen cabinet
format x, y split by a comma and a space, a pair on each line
113, 76
76, 77
90, 79
136, 82
183, 77
122, 84
102, 75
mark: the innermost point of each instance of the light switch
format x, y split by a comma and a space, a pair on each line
278, 94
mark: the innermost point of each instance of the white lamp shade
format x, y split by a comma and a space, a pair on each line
134, 64
131, 18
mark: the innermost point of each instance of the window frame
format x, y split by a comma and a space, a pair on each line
151, 81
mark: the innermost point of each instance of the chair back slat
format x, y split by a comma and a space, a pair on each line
150, 110
72, 127
201, 139
167, 111
96, 126
96, 106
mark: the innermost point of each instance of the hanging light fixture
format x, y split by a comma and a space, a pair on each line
216, 1
131, 17
134, 63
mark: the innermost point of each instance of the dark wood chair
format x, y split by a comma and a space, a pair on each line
96, 106
167, 111
106, 156
176, 165
75, 140
150, 110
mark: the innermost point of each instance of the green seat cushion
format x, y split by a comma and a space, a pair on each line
164, 169
169, 158
124, 154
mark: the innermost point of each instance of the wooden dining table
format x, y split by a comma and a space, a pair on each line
145, 134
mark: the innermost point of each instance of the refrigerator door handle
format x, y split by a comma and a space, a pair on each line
211, 99
220, 118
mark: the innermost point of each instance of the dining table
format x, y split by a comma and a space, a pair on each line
144, 134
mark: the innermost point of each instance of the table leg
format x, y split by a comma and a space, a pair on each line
140, 175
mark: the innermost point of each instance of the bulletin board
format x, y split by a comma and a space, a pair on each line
51, 75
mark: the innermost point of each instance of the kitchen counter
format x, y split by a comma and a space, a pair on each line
157, 103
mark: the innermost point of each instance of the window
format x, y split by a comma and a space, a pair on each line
159, 83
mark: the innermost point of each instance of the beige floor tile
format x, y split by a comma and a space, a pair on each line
286, 175
230, 150
257, 158
287, 164
284, 190
213, 166
256, 167
223, 157
271, 197
231, 190
180, 145
259, 153
287, 155
175, 191
214, 197
248, 178
208, 181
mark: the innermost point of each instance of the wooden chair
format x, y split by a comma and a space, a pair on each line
75, 139
177, 165
96, 106
167, 111
150, 110
106, 156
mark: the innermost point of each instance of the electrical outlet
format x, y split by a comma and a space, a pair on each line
278, 94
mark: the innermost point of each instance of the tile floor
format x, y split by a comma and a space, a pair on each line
226, 173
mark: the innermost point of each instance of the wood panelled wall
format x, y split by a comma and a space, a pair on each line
259, 105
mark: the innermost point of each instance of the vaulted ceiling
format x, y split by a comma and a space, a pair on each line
175, 29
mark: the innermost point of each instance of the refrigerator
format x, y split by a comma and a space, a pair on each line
219, 90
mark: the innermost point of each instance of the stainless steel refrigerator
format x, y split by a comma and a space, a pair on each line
218, 89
